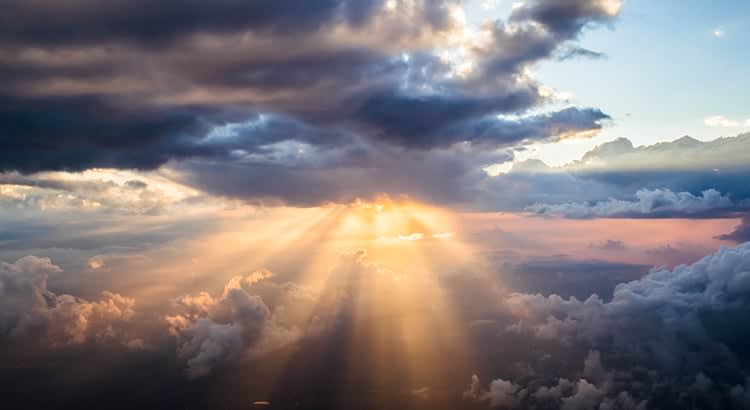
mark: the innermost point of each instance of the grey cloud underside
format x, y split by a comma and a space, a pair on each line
144, 23
440, 176
136, 85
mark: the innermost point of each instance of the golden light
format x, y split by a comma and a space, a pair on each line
384, 262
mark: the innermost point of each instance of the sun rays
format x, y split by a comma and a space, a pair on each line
375, 270
378, 310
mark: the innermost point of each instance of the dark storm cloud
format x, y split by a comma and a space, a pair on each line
134, 85
415, 121
81, 132
549, 126
145, 23
434, 121
30, 309
91, 131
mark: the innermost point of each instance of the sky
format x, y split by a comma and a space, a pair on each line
375, 204
668, 66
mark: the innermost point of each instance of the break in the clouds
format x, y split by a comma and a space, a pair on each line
275, 90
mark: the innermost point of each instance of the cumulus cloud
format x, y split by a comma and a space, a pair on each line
255, 315
501, 393
30, 309
211, 330
593, 390
657, 203
649, 331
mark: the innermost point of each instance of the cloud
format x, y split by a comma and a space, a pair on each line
658, 203
652, 326
93, 193
135, 23
594, 390
275, 89
604, 181
724, 122
29, 309
576, 52
212, 330
387, 170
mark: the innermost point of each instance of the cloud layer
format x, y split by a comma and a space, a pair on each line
684, 177
666, 338
658, 203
